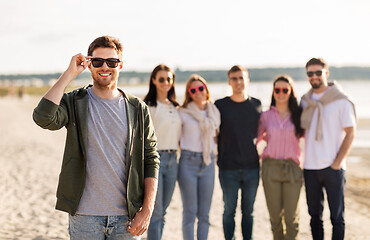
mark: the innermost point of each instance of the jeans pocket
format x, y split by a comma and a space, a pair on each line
333, 170
297, 173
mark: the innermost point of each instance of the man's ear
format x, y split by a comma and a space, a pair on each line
89, 65
246, 77
327, 73
120, 65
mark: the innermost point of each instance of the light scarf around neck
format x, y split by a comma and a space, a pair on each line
334, 92
208, 125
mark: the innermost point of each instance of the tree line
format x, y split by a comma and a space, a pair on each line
256, 74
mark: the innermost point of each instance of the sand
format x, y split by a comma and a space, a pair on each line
30, 161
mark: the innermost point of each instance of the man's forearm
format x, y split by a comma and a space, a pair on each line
56, 92
141, 220
344, 148
150, 193
76, 66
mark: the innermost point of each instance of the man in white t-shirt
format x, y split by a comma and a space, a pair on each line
329, 120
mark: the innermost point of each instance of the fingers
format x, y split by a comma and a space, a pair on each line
129, 229
137, 229
81, 60
87, 61
136, 232
78, 64
141, 232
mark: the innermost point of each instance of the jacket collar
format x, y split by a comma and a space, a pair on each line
81, 111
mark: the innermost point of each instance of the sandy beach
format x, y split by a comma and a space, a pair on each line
30, 161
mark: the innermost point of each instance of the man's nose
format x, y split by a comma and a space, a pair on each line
105, 66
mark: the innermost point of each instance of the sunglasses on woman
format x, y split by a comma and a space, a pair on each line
317, 73
111, 62
162, 79
278, 90
195, 89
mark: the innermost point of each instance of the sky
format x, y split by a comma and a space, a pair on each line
41, 36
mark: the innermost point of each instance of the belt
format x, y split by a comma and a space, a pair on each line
286, 166
168, 150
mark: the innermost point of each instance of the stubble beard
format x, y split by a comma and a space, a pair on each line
239, 90
316, 85
100, 83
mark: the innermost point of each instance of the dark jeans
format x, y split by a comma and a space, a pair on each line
333, 181
231, 181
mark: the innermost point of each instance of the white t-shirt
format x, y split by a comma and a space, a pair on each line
191, 135
167, 125
336, 116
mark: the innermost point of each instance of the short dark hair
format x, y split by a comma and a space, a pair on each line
106, 42
317, 61
237, 68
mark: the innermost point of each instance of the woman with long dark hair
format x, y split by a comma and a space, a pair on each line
281, 171
200, 121
161, 100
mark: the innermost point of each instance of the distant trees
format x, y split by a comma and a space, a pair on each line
256, 74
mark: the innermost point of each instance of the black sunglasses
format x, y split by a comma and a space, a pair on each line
161, 80
317, 73
284, 90
111, 62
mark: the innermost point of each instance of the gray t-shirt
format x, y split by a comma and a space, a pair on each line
105, 189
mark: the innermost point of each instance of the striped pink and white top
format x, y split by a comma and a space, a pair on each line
282, 143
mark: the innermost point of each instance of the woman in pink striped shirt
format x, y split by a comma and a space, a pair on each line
281, 172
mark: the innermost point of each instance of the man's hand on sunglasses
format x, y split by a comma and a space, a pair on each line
78, 64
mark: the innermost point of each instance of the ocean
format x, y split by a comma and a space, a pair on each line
358, 90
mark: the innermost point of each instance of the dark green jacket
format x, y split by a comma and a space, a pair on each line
141, 156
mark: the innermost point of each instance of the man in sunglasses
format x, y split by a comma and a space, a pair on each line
108, 179
238, 160
329, 121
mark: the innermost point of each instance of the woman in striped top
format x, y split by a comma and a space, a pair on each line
281, 171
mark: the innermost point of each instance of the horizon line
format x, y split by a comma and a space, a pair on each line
188, 70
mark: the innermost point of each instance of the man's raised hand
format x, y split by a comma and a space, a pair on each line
78, 64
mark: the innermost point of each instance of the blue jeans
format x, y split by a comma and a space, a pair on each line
196, 181
334, 182
231, 181
83, 227
166, 184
